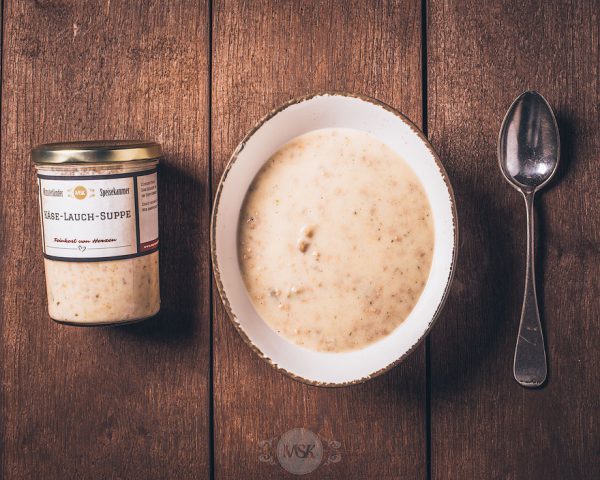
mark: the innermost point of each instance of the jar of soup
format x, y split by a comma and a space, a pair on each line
99, 213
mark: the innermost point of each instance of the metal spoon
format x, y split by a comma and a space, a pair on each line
528, 152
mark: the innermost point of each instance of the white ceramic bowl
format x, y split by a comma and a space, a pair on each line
328, 110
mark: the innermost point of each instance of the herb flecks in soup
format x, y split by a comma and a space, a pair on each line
335, 240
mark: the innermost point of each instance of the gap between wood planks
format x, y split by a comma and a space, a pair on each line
211, 407
427, 343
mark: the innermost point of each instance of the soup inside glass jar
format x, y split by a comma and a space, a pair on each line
99, 223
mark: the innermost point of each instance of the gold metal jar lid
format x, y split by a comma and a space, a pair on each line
96, 151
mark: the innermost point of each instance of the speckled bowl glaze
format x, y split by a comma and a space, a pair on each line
299, 116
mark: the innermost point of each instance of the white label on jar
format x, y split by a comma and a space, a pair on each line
101, 217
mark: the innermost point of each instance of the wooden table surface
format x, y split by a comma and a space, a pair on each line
181, 396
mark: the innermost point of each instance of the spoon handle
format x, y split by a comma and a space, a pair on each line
530, 368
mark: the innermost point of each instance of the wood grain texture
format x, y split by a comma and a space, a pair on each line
265, 53
133, 402
129, 402
481, 55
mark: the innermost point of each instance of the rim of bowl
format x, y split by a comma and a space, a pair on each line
213, 249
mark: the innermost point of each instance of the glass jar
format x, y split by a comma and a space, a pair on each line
99, 215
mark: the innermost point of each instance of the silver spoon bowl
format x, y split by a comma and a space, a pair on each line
528, 153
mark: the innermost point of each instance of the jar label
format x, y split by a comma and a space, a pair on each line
100, 217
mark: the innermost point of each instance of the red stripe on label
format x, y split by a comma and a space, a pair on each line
144, 247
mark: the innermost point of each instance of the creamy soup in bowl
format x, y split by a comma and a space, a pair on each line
334, 238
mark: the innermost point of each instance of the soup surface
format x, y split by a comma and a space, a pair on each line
335, 240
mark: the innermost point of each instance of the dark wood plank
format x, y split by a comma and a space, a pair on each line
129, 402
264, 53
484, 425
